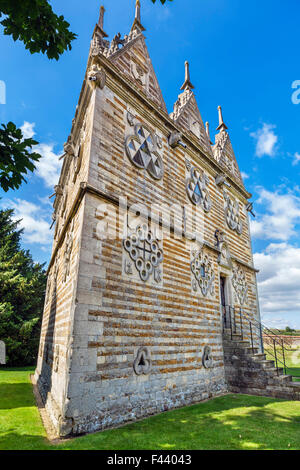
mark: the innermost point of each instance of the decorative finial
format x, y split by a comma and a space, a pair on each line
207, 132
187, 82
101, 22
137, 19
222, 125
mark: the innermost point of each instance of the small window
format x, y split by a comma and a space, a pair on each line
202, 270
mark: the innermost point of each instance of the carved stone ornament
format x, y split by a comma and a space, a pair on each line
141, 149
69, 147
202, 269
224, 257
232, 214
68, 252
239, 284
175, 139
139, 74
130, 118
97, 77
142, 363
207, 359
159, 141
197, 191
188, 164
145, 252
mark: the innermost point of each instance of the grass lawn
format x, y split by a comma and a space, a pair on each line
230, 422
292, 358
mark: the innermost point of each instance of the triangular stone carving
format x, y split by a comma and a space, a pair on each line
187, 115
224, 154
223, 151
134, 61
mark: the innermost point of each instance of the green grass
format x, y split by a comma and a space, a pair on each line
292, 358
230, 422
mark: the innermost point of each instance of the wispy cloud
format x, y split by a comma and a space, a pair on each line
296, 159
28, 129
245, 176
34, 219
266, 140
281, 214
48, 168
278, 284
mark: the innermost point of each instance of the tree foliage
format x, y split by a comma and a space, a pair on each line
35, 24
16, 158
22, 287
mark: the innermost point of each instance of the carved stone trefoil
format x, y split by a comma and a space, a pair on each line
207, 359
142, 363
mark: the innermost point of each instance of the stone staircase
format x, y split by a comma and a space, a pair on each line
248, 371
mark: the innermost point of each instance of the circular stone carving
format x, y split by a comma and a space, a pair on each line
141, 149
202, 269
145, 251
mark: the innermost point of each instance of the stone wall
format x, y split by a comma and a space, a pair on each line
132, 323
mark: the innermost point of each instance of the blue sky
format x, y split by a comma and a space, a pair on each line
243, 56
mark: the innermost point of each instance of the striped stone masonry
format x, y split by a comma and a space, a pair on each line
148, 218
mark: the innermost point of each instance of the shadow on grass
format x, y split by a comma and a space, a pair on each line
16, 395
229, 422
12, 440
222, 423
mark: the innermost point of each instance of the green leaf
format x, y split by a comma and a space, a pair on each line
16, 158
35, 24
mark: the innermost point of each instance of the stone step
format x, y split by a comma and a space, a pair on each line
259, 356
251, 350
268, 364
273, 370
237, 335
287, 379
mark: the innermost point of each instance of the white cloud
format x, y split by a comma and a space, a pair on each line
282, 214
245, 176
49, 166
278, 284
35, 220
28, 130
296, 159
266, 140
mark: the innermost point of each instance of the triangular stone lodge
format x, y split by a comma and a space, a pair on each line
132, 322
